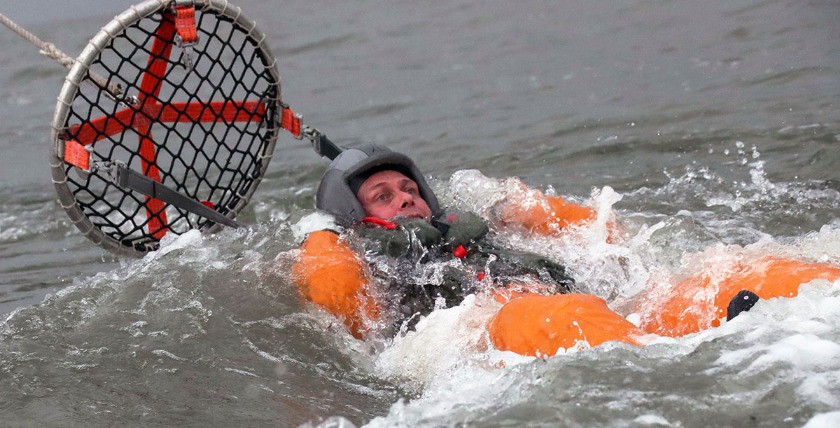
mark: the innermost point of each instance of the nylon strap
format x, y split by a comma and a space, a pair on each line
76, 154
129, 179
290, 121
324, 147
376, 221
185, 24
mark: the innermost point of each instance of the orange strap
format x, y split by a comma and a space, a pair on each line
185, 24
290, 121
76, 154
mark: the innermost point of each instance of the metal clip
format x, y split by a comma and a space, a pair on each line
131, 100
118, 94
187, 52
313, 135
109, 168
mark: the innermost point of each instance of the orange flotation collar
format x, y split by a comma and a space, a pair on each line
699, 302
539, 325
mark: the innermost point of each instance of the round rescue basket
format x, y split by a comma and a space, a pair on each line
166, 123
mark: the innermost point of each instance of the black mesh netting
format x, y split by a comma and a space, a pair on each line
210, 142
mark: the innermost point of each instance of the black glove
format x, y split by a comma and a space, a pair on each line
420, 231
460, 228
398, 242
513, 263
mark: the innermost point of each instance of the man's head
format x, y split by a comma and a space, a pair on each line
361, 166
388, 194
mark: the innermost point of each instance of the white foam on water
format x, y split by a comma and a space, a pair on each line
795, 338
441, 341
601, 266
313, 222
449, 360
800, 333
651, 419
171, 242
824, 420
472, 189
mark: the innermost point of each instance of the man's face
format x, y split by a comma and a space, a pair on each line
389, 194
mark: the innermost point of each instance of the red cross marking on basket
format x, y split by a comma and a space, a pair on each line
141, 116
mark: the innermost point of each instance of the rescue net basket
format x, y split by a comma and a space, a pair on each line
182, 133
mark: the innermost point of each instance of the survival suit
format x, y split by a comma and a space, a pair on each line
375, 272
421, 265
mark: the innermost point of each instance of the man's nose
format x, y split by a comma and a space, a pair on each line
406, 200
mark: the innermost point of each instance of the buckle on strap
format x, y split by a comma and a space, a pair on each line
291, 121
186, 34
128, 179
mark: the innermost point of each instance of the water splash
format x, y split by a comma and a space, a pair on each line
600, 265
735, 210
462, 365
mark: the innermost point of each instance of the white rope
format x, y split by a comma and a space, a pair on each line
50, 51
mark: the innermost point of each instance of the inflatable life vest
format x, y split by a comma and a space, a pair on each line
412, 262
701, 301
540, 325
544, 215
330, 274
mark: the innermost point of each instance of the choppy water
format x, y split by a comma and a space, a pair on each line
715, 123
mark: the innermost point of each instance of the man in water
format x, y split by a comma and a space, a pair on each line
395, 255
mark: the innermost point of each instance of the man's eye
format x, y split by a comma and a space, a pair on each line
382, 197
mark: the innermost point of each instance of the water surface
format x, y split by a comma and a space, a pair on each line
714, 123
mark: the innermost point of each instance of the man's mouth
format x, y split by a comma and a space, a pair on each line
411, 214
414, 215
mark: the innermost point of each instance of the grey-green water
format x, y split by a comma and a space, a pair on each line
715, 122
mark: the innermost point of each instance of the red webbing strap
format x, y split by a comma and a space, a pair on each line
185, 24
75, 154
213, 111
195, 111
290, 121
102, 127
149, 90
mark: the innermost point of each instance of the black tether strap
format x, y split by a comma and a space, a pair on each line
325, 147
130, 179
